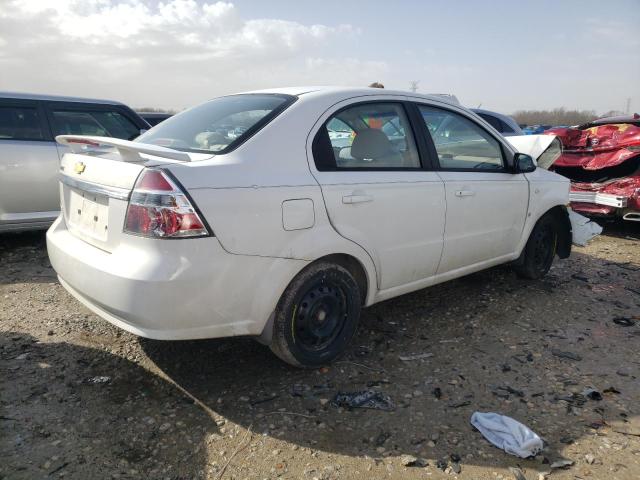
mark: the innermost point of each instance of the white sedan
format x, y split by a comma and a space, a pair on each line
280, 214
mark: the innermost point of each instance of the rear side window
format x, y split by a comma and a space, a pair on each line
366, 136
219, 125
460, 143
20, 123
102, 123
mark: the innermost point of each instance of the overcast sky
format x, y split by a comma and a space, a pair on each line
176, 53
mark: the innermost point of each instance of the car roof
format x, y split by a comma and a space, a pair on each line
356, 92
154, 114
55, 98
617, 119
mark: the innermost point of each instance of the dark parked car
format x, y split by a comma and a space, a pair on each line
504, 124
154, 118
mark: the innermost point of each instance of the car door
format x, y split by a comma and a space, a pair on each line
378, 189
486, 203
28, 165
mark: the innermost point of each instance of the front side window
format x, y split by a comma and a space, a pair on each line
20, 123
460, 143
372, 135
218, 125
101, 123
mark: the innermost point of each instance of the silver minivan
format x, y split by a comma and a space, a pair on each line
30, 157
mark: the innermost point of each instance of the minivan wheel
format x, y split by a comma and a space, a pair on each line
316, 316
538, 253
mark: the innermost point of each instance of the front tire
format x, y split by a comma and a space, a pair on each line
537, 256
316, 316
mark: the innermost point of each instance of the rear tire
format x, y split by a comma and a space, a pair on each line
316, 316
537, 256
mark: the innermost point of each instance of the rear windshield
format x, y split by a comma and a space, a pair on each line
219, 125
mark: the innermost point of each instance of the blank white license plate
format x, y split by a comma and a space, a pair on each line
89, 213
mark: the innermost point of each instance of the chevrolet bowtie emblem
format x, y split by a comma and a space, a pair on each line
79, 167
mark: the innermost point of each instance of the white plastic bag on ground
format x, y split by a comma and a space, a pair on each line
583, 228
507, 434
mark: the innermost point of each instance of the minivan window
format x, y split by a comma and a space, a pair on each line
20, 123
102, 123
219, 125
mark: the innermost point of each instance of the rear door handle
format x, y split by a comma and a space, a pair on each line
357, 198
465, 193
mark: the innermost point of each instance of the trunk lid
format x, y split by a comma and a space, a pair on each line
96, 182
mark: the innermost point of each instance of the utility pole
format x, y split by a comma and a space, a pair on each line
414, 85
628, 109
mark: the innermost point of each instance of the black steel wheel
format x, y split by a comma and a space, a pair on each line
316, 316
538, 253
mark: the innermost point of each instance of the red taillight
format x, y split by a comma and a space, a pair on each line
159, 209
154, 180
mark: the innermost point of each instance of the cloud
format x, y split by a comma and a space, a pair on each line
172, 53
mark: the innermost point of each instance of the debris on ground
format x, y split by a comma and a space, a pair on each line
99, 379
411, 461
517, 473
561, 464
505, 391
568, 355
417, 356
583, 229
624, 321
508, 434
366, 399
592, 394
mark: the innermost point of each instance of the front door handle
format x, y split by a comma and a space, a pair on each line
465, 193
357, 198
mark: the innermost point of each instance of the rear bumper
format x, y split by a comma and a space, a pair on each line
606, 204
170, 289
607, 199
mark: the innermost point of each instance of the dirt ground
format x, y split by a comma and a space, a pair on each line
80, 399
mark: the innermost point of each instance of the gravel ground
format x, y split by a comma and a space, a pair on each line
81, 399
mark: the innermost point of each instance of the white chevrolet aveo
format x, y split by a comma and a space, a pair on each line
280, 214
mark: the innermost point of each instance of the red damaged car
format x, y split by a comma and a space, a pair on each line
602, 160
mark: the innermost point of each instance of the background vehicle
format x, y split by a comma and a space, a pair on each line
331, 199
633, 119
154, 118
30, 157
535, 129
504, 124
602, 160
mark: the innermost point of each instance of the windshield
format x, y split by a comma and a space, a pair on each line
218, 125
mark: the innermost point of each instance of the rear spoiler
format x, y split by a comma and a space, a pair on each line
129, 151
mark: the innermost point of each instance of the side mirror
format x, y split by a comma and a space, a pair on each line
523, 163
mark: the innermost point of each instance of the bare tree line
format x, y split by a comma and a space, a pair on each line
156, 110
557, 116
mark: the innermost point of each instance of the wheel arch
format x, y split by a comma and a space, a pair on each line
560, 214
365, 279
565, 233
